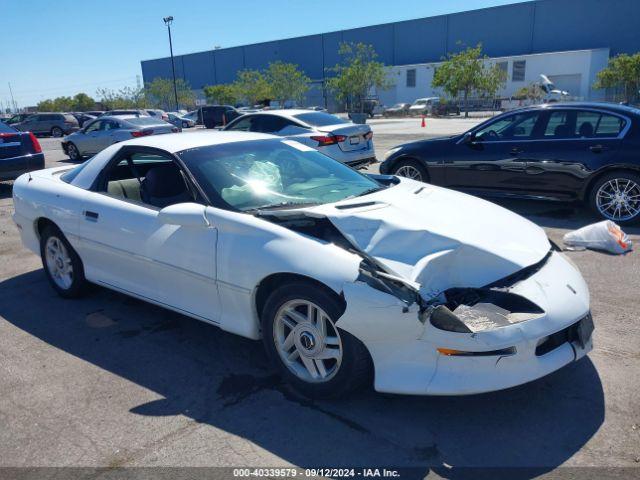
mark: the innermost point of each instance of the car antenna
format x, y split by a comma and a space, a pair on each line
30, 177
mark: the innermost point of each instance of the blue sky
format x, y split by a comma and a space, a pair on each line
52, 48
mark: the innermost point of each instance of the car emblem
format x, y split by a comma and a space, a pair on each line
307, 340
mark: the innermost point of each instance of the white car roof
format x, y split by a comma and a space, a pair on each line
169, 142
289, 113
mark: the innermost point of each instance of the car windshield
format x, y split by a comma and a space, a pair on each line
261, 174
319, 119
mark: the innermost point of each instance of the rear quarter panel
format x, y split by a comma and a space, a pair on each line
43, 194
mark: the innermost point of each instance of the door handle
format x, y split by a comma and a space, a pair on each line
91, 216
598, 148
515, 151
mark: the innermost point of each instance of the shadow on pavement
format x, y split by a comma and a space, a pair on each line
223, 380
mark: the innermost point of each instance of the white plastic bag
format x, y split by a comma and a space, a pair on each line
605, 235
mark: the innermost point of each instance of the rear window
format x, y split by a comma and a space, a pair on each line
70, 118
4, 128
319, 119
143, 121
73, 173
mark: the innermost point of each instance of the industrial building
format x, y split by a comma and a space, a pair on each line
568, 40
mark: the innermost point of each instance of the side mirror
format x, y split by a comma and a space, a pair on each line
184, 214
469, 138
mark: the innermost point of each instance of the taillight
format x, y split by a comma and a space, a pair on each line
36, 144
368, 136
141, 133
324, 140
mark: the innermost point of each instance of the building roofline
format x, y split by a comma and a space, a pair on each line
494, 7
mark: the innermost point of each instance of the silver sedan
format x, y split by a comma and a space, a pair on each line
107, 130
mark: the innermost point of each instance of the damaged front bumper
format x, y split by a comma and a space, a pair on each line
413, 356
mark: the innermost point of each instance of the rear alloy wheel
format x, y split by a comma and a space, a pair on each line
73, 153
301, 337
410, 169
61, 263
616, 197
56, 132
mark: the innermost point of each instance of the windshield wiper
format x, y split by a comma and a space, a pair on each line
281, 205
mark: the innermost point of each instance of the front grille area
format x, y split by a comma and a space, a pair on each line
553, 341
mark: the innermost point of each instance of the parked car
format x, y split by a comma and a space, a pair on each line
54, 124
317, 108
347, 278
109, 129
194, 115
217, 115
331, 135
95, 113
586, 152
17, 118
83, 118
154, 112
20, 152
398, 110
133, 111
179, 120
422, 106
443, 109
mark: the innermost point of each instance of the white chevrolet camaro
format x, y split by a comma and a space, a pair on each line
345, 277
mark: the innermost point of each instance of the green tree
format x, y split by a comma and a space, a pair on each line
126, 97
357, 74
623, 71
252, 86
160, 94
223, 94
83, 102
287, 82
467, 72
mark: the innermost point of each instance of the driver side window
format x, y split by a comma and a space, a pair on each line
94, 127
147, 178
520, 126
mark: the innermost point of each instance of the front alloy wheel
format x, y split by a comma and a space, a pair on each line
307, 341
617, 197
410, 169
72, 152
301, 338
56, 132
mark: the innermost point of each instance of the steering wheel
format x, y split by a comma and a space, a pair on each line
491, 135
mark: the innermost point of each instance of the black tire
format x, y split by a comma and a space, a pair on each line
57, 132
622, 177
73, 153
78, 284
355, 369
398, 167
185, 125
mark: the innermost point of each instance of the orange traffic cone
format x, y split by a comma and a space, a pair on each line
424, 123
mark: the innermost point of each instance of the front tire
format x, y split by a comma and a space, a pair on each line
61, 263
73, 153
412, 169
56, 132
301, 338
616, 197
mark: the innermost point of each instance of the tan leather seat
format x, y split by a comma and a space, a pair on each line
129, 189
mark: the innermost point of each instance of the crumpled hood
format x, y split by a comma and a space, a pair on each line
437, 237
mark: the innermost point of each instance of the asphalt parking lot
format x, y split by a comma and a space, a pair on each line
109, 381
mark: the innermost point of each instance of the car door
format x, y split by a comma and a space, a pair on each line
90, 140
575, 143
493, 158
125, 246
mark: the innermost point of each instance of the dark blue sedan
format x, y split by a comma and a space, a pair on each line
20, 152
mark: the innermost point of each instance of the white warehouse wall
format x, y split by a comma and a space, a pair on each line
574, 71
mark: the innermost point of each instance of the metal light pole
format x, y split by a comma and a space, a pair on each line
168, 21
